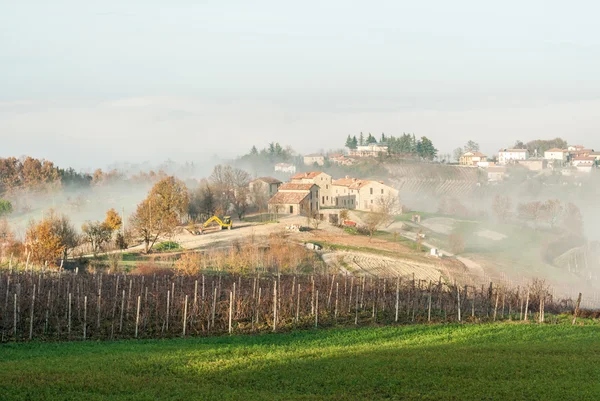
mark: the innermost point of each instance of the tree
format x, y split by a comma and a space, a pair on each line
502, 207
385, 209
425, 149
42, 243
519, 145
113, 220
65, 230
373, 220
349, 142
354, 143
552, 210
531, 211
254, 151
472, 146
231, 185
5, 207
371, 139
458, 152
160, 213
97, 234
573, 220
361, 140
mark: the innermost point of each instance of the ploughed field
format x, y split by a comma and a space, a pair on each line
450, 362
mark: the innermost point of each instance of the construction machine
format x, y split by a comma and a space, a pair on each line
223, 222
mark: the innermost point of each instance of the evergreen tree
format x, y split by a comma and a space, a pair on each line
383, 138
349, 142
254, 151
361, 140
425, 149
354, 142
371, 139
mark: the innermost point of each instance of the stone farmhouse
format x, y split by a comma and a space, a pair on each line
266, 185
309, 192
295, 199
311, 160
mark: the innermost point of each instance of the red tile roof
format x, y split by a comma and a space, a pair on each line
308, 175
293, 198
268, 180
295, 187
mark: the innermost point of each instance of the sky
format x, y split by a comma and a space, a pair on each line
88, 84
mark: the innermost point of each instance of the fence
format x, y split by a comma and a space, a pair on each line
69, 306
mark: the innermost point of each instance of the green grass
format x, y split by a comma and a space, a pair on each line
470, 362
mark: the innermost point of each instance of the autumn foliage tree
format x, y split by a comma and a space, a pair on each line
42, 243
160, 213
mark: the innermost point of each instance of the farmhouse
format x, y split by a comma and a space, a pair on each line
472, 159
294, 198
340, 159
556, 154
506, 156
353, 193
322, 180
584, 164
533, 164
285, 168
267, 185
311, 160
370, 150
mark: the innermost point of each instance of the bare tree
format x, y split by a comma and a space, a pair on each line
160, 213
386, 208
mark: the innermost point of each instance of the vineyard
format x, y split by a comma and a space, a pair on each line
69, 306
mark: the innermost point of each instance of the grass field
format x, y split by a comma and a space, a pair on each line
470, 362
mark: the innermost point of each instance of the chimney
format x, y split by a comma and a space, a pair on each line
347, 177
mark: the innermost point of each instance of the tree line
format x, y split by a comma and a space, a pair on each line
407, 144
169, 203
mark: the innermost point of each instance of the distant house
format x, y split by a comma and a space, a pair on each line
556, 154
496, 173
285, 168
506, 156
353, 193
322, 180
296, 199
267, 185
533, 164
311, 160
581, 152
472, 159
340, 159
584, 164
371, 150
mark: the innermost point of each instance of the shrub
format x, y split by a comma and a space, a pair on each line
167, 246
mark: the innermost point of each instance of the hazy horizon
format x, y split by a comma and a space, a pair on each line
87, 86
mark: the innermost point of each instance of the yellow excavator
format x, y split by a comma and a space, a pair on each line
223, 222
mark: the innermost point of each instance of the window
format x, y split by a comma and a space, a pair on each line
371, 191
323, 200
326, 186
371, 201
291, 209
381, 191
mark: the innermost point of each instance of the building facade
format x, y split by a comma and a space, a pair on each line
506, 156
